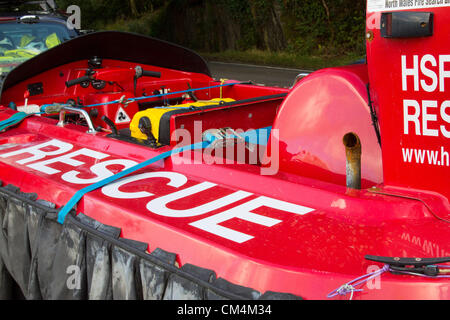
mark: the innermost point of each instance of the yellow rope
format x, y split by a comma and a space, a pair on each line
222, 81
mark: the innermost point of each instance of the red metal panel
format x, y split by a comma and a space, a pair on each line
314, 118
299, 230
306, 254
409, 81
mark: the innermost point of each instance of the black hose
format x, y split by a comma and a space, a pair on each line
111, 125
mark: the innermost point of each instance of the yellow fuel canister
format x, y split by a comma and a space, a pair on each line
155, 115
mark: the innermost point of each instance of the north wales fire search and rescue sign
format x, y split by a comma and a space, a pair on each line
395, 5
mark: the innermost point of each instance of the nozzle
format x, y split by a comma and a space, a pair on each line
353, 154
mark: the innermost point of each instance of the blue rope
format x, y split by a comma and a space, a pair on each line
79, 194
13, 120
160, 95
20, 116
256, 136
252, 137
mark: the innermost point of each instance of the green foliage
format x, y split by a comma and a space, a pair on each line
98, 13
301, 27
311, 30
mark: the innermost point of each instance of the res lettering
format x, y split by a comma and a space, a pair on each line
426, 118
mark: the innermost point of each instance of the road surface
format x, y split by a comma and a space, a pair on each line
270, 76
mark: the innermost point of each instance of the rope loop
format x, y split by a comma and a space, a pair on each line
351, 287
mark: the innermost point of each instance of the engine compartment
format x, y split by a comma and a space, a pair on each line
158, 107
158, 95
145, 104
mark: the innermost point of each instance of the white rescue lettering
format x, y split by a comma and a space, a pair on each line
100, 170
414, 117
244, 212
428, 117
67, 159
176, 180
412, 111
159, 206
38, 152
446, 117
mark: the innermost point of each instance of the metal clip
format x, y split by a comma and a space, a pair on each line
124, 101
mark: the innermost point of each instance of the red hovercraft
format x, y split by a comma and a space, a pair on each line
128, 172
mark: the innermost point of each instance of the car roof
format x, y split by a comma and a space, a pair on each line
12, 8
40, 14
19, 5
42, 17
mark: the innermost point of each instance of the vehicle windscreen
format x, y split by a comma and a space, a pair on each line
21, 41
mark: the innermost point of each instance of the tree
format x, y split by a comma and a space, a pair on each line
133, 8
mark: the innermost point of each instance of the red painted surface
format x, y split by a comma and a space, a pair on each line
308, 255
314, 118
300, 230
427, 135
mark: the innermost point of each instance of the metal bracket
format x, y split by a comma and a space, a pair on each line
402, 262
221, 137
428, 267
81, 112
299, 77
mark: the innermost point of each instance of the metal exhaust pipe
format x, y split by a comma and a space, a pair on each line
353, 153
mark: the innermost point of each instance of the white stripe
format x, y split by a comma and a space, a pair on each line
396, 5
